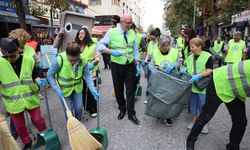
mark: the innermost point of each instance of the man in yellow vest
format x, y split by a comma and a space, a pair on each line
123, 49
19, 80
218, 47
230, 85
236, 49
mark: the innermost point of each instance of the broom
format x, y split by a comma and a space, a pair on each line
7, 142
79, 137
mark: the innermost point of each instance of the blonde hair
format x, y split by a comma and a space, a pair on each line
21, 35
197, 42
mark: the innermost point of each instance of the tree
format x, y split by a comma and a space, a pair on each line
20, 11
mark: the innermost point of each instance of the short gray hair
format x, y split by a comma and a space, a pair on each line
163, 39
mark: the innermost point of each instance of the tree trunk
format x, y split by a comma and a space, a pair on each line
21, 14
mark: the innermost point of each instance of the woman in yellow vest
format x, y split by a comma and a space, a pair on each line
166, 53
90, 53
19, 80
230, 85
199, 64
188, 34
70, 68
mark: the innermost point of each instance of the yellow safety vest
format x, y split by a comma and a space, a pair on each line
217, 47
88, 54
235, 50
171, 57
18, 93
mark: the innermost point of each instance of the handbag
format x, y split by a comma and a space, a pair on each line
203, 82
138, 90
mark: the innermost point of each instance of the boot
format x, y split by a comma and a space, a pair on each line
27, 146
189, 145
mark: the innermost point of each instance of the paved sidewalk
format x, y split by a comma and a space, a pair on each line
150, 134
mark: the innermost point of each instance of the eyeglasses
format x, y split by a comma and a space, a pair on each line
127, 22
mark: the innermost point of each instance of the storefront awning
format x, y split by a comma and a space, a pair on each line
13, 18
240, 24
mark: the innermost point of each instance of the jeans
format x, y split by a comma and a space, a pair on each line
196, 102
74, 102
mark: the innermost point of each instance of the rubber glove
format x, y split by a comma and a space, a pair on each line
195, 78
42, 82
91, 65
143, 63
59, 93
183, 70
137, 71
170, 68
96, 95
115, 53
40, 66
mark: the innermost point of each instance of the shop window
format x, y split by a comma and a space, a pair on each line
94, 2
116, 2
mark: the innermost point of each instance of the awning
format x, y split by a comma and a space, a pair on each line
96, 32
13, 18
103, 29
240, 24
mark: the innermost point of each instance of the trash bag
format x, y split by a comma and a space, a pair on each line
167, 93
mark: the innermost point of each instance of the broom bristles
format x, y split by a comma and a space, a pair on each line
7, 142
79, 137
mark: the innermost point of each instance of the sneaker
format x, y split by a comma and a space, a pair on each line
41, 97
205, 129
27, 146
190, 125
93, 115
168, 122
145, 102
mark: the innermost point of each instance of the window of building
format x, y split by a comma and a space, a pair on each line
94, 2
116, 2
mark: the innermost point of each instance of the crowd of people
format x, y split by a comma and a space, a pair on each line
73, 73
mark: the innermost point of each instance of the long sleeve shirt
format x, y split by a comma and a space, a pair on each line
101, 46
55, 68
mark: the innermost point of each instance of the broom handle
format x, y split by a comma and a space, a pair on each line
64, 102
97, 103
47, 106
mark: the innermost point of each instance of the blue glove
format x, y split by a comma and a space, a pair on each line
115, 53
40, 66
195, 78
96, 95
59, 93
170, 68
91, 65
144, 63
137, 71
183, 70
42, 82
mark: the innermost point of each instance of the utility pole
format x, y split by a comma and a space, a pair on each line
194, 14
51, 22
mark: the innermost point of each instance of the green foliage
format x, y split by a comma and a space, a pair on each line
62, 5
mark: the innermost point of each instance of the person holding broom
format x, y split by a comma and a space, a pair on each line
69, 68
19, 80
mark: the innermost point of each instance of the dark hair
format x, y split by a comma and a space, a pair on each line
73, 49
191, 34
87, 39
156, 32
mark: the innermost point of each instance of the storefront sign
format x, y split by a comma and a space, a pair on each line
244, 16
9, 5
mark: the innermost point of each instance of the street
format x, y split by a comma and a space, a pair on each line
150, 134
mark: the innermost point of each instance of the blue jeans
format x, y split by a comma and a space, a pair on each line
74, 102
196, 102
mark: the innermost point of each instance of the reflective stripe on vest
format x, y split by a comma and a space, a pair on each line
16, 97
118, 43
17, 83
242, 78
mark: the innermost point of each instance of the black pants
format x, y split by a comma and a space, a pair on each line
106, 60
236, 110
124, 74
91, 102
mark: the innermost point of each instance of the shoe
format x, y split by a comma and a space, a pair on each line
27, 146
145, 102
190, 125
189, 145
205, 129
93, 115
121, 115
134, 119
41, 97
168, 122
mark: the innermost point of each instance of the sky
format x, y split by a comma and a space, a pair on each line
153, 13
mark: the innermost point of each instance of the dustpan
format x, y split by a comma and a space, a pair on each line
47, 139
100, 134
